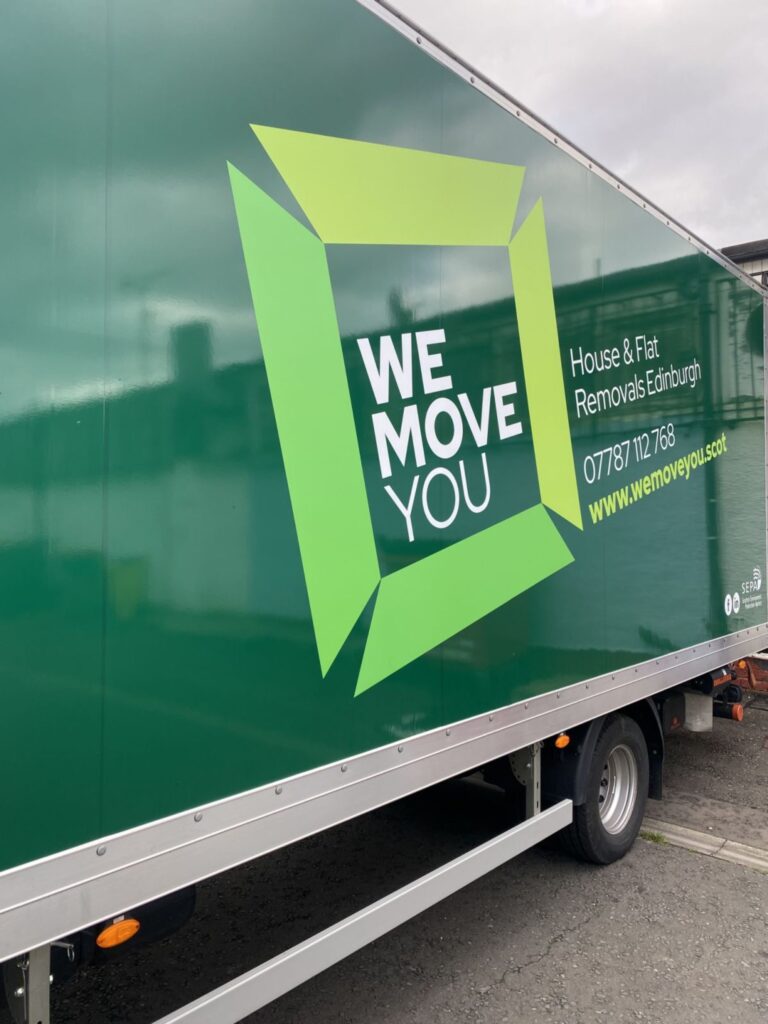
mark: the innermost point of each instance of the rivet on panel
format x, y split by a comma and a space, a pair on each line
344, 767
447, 732
526, 704
490, 718
100, 851
472, 79
400, 748
418, 40
586, 686
278, 790
199, 816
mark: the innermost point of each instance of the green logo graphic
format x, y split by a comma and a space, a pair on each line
359, 193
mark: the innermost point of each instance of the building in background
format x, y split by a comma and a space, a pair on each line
752, 257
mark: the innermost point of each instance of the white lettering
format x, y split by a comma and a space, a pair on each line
504, 410
484, 504
401, 368
443, 449
479, 429
407, 510
429, 361
441, 524
386, 435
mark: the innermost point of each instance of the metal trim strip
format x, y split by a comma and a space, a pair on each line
256, 988
388, 13
56, 895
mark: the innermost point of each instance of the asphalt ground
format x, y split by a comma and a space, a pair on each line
665, 935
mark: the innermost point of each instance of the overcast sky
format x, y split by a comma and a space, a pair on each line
668, 94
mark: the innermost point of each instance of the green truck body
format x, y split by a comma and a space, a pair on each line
343, 407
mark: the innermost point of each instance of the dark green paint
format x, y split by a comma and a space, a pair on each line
157, 649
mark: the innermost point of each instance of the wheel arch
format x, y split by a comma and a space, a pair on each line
565, 772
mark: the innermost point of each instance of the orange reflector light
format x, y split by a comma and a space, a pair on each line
737, 712
117, 933
742, 664
562, 741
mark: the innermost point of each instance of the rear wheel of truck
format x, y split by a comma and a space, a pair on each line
606, 825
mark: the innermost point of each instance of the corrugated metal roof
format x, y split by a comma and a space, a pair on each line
747, 250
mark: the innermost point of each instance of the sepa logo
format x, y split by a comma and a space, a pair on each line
753, 585
359, 193
748, 596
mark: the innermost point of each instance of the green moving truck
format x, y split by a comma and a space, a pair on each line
356, 432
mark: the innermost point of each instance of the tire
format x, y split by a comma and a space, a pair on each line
606, 825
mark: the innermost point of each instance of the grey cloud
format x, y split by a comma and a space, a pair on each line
665, 93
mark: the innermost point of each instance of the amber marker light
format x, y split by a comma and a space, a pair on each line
117, 933
562, 741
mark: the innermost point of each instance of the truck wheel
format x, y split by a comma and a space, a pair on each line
606, 825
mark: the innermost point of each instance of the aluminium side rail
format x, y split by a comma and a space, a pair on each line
55, 896
27, 980
254, 989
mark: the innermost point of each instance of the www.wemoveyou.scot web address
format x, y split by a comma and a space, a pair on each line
679, 469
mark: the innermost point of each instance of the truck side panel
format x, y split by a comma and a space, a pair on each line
53, 69
558, 356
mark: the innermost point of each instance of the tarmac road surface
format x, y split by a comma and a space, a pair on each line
666, 935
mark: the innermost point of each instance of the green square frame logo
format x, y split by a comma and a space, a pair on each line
361, 193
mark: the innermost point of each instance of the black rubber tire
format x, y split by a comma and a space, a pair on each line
586, 836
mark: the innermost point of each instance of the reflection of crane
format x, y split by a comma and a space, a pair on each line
141, 286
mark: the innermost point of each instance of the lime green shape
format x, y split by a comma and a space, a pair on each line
364, 193
367, 193
292, 297
545, 389
425, 603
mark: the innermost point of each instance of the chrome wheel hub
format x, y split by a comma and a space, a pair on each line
617, 794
